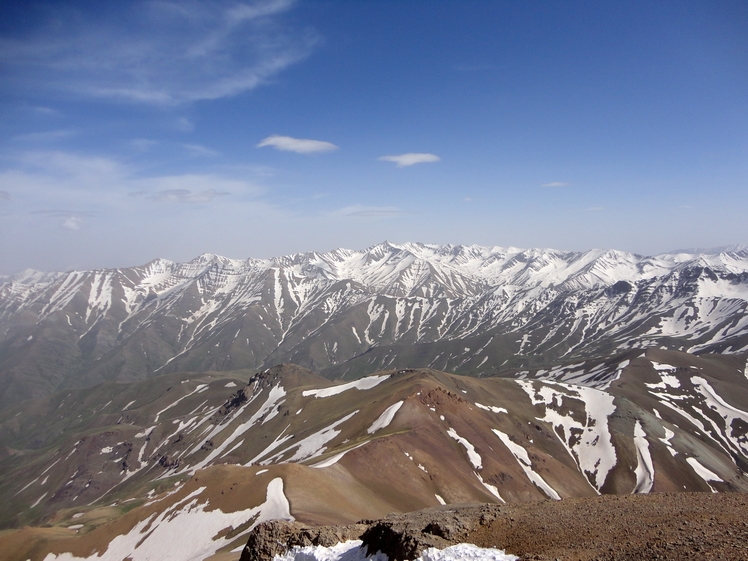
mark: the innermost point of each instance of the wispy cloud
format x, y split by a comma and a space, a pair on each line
299, 145
168, 52
410, 159
63, 179
556, 184
46, 136
67, 219
143, 144
361, 211
4, 196
183, 124
46, 111
199, 150
181, 195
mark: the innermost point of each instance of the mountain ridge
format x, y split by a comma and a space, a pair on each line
215, 453
339, 312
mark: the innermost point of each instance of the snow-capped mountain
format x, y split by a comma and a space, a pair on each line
347, 313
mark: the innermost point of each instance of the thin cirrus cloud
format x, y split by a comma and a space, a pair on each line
104, 185
556, 184
170, 53
185, 196
67, 219
410, 159
46, 136
362, 211
298, 145
200, 150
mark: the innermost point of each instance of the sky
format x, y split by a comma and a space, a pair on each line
136, 130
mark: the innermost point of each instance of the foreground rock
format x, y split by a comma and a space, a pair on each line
400, 536
611, 528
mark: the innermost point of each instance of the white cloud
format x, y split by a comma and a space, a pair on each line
556, 184
46, 111
299, 145
167, 52
71, 223
63, 180
183, 124
199, 150
183, 195
143, 144
361, 211
46, 135
410, 159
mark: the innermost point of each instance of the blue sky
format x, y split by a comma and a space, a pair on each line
137, 130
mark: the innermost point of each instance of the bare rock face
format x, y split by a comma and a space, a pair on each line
406, 536
400, 536
276, 537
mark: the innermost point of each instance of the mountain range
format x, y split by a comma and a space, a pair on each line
199, 399
183, 466
344, 314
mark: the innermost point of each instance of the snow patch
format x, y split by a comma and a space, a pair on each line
589, 442
491, 408
362, 384
313, 445
645, 467
186, 531
385, 418
704, 473
473, 456
354, 550
523, 458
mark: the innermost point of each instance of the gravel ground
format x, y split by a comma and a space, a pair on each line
675, 526
682, 526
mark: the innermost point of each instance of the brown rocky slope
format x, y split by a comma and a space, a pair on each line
669, 526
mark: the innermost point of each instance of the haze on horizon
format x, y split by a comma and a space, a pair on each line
137, 130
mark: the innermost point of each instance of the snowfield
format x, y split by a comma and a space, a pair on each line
353, 551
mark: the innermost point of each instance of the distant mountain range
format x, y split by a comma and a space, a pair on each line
465, 309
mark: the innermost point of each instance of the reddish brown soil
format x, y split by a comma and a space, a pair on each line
677, 526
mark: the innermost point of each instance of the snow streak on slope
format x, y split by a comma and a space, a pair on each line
385, 418
695, 399
186, 531
644, 467
588, 441
524, 461
362, 384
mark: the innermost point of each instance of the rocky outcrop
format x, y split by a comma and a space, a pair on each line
400, 536
278, 536
665, 526
406, 536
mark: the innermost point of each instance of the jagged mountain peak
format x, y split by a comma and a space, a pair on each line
465, 308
